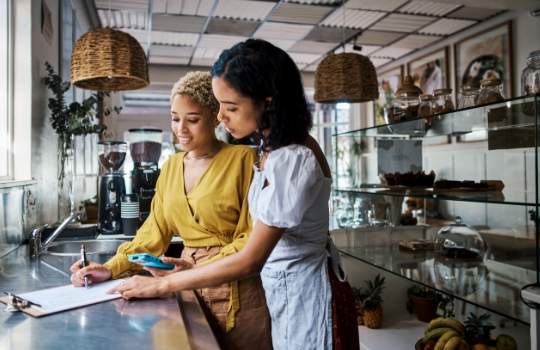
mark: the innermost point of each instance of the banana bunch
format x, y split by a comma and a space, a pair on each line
448, 334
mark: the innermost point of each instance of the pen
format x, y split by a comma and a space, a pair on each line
84, 263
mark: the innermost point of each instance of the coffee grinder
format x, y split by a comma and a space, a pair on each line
145, 147
112, 187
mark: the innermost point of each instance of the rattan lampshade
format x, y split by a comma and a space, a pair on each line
345, 77
108, 60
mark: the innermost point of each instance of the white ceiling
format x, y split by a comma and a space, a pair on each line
194, 32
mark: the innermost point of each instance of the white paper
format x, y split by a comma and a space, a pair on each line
70, 297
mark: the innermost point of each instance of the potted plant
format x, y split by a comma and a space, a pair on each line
79, 118
424, 302
90, 207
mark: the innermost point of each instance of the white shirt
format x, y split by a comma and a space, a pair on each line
295, 276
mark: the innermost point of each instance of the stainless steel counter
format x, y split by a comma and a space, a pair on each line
119, 324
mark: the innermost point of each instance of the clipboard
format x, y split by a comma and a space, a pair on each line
53, 300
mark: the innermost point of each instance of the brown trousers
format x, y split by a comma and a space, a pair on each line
252, 321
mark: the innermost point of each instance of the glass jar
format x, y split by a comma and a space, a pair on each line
443, 101
459, 259
469, 95
426, 109
407, 101
530, 76
344, 214
426, 104
490, 91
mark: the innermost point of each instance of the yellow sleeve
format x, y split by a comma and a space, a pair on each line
153, 237
243, 229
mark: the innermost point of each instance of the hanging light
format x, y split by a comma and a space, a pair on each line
108, 60
345, 77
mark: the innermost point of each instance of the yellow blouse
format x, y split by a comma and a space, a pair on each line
214, 213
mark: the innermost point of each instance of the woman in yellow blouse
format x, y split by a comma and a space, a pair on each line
201, 196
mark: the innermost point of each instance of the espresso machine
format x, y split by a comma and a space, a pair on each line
145, 147
112, 187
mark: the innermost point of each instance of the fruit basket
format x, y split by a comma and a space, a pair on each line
419, 343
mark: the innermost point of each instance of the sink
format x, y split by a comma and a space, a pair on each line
104, 246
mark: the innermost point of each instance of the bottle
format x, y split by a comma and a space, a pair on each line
530, 76
469, 95
443, 101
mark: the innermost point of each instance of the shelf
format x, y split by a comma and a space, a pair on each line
492, 197
513, 115
498, 292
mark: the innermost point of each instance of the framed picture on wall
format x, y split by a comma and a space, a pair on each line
486, 55
430, 72
389, 82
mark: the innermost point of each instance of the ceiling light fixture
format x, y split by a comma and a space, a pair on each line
345, 77
106, 59
356, 47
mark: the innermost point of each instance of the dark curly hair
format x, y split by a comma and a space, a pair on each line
257, 69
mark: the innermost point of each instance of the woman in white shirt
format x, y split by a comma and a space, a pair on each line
259, 88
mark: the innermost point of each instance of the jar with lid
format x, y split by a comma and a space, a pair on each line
426, 105
443, 101
490, 91
426, 109
459, 258
407, 100
530, 76
469, 95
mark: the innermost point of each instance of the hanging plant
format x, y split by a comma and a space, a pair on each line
79, 118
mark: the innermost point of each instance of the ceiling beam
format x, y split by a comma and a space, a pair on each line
208, 19
524, 5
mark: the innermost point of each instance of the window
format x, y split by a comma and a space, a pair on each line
328, 120
6, 135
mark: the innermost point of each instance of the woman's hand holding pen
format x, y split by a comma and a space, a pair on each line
142, 287
94, 271
181, 265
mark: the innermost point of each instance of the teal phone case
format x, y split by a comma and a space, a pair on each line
149, 260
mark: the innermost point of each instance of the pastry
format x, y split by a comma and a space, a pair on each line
418, 244
447, 184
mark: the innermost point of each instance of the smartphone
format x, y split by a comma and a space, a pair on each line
149, 260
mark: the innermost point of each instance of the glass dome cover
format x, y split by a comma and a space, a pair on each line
459, 242
459, 265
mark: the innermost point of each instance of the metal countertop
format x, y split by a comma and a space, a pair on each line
176, 322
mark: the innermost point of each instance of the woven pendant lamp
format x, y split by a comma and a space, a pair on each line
108, 60
345, 77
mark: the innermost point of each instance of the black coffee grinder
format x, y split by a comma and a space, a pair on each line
145, 147
112, 186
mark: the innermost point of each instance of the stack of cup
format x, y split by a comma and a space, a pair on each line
129, 211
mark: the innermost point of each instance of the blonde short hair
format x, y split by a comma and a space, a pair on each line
197, 85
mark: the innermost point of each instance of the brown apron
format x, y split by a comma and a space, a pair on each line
252, 321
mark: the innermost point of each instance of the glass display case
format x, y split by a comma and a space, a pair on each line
491, 184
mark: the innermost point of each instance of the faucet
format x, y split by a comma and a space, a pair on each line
34, 237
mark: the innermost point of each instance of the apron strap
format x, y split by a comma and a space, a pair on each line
337, 264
